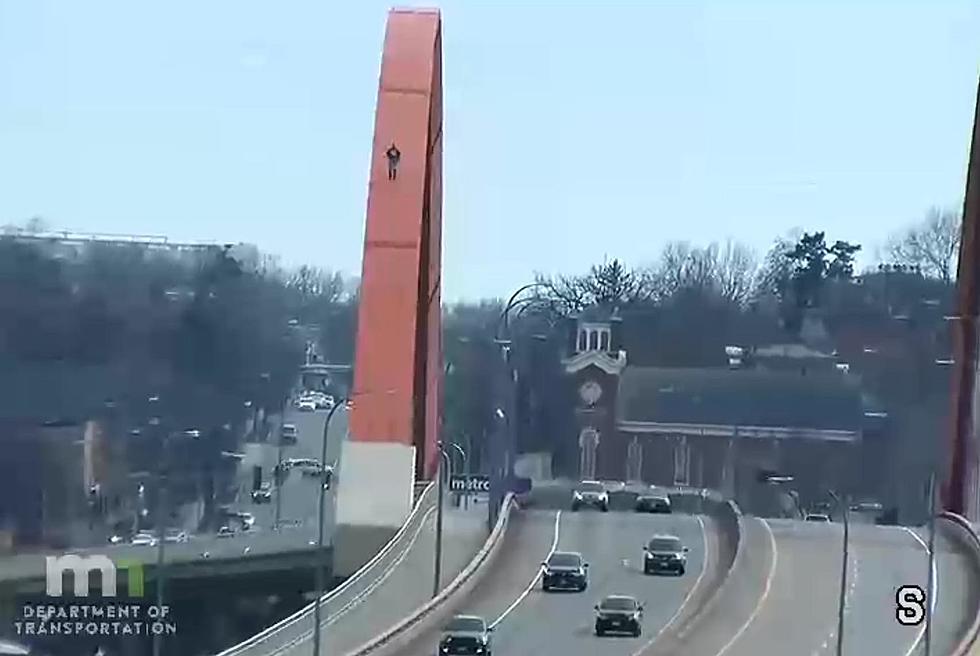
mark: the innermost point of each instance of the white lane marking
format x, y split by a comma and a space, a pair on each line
935, 591
690, 593
854, 560
534, 579
765, 591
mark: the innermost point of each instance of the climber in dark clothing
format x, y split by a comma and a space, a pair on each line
393, 156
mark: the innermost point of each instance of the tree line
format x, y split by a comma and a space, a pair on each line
200, 340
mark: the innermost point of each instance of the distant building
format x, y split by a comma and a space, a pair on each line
782, 408
64, 458
69, 245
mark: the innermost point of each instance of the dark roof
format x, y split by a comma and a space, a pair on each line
739, 397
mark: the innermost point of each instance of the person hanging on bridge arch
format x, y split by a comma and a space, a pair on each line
394, 155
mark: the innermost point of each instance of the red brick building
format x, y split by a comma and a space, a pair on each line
783, 408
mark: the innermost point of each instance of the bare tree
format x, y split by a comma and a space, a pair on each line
314, 282
608, 284
737, 269
773, 277
726, 272
933, 244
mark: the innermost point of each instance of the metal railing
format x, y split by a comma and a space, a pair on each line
299, 626
411, 623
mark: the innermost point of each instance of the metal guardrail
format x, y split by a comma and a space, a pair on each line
969, 645
426, 611
298, 626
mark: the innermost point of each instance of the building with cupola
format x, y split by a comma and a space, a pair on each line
779, 408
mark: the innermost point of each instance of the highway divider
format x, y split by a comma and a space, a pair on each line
731, 574
297, 627
962, 533
434, 612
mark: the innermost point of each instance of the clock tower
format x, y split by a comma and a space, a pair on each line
594, 359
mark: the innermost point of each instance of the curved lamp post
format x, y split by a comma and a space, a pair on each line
445, 468
326, 479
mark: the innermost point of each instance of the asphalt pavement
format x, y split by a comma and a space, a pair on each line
299, 493
530, 621
794, 610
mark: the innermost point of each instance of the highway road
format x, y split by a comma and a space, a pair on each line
299, 493
299, 508
530, 621
790, 595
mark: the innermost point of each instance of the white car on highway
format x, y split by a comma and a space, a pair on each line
176, 536
247, 519
306, 405
144, 539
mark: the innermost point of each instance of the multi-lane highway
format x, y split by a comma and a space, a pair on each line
529, 621
784, 597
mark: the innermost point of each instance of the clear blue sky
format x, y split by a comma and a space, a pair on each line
573, 131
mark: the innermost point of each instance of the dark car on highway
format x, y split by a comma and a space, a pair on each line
620, 614
288, 434
565, 570
466, 634
664, 553
653, 503
262, 495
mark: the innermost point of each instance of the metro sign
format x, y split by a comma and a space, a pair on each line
472, 483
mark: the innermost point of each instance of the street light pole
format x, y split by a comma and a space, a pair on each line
466, 472
161, 533
278, 476
843, 504
326, 475
931, 584
442, 471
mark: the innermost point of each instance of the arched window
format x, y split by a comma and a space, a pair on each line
593, 340
582, 340
604, 341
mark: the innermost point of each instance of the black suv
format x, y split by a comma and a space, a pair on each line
664, 553
619, 613
565, 570
466, 634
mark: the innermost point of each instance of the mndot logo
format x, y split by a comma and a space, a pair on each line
82, 566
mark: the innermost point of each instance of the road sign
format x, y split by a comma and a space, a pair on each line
471, 483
